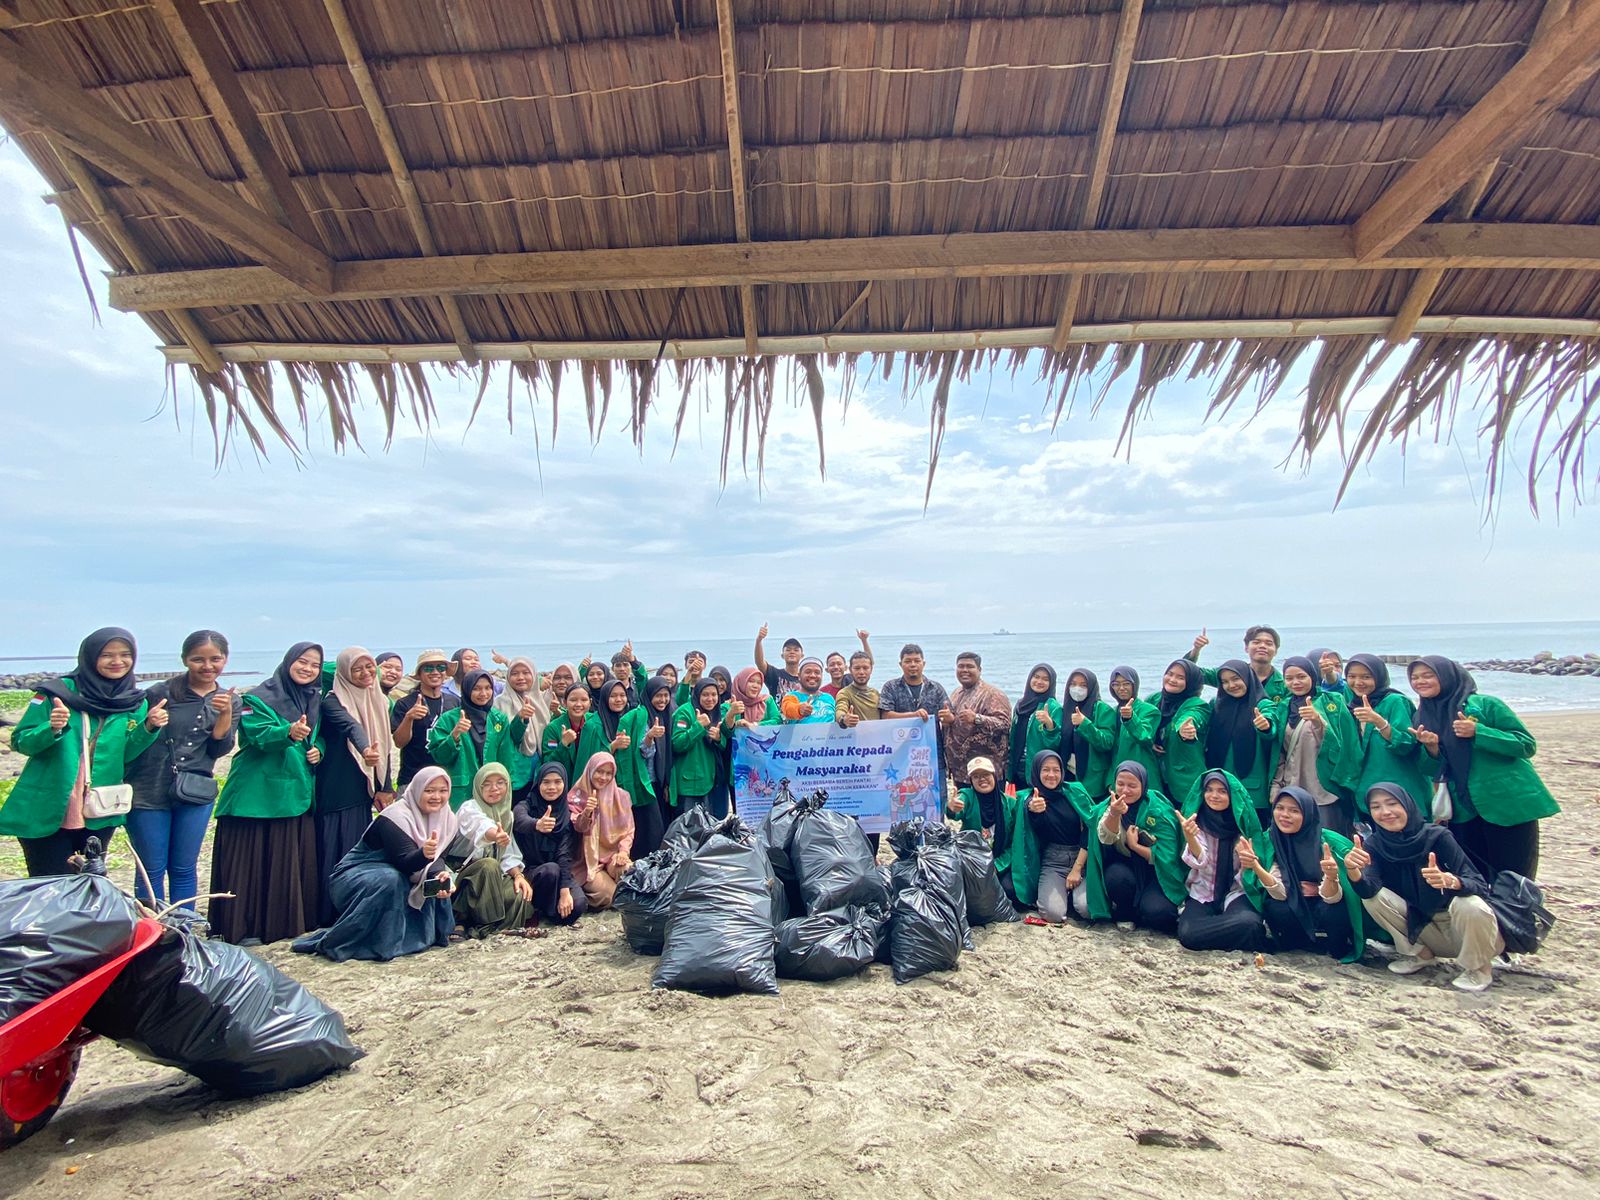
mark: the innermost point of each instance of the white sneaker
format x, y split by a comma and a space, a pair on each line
1409, 964
1474, 981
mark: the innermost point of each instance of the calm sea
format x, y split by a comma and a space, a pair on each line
1008, 658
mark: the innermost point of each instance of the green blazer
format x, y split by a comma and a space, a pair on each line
591, 741
1244, 815
1014, 847
1401, 759
1158, 821
1182, 762
271, 776
502, 738
1504, 787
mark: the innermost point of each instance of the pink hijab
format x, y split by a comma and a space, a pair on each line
740, 682
407, 813
370, 709
606, 832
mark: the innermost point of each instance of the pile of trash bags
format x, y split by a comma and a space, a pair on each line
715, 901
208, 1008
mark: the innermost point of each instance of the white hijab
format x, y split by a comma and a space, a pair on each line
370, 708
407, 813
510, 702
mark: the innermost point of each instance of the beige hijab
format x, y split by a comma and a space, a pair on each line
510, 702
370, 708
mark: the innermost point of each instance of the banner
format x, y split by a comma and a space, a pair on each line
879, 772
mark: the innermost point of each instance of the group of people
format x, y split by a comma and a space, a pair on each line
371, 811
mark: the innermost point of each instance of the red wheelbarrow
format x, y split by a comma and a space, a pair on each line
39, 1050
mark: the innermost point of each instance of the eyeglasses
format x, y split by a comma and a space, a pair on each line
432, 668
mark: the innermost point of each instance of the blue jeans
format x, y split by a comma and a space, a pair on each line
167, 841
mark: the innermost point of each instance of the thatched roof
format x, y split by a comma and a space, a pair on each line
1164, 187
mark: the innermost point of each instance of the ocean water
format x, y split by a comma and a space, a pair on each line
1007, 659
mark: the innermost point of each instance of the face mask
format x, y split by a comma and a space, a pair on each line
1080, 694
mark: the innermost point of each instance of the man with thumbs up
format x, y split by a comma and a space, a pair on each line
413, 716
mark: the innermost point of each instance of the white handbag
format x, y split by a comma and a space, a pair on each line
102, 803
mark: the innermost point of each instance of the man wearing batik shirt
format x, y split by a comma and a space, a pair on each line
977, 721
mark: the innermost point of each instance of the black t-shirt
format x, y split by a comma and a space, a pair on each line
780, 683
414, 754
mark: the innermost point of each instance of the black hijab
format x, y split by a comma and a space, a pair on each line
97, 696
1378, 669
1065, 822
661, 765
1137, 770
724, 682
991, 813
1027, 704
1233, 722
1401, 856
287, 698
601, 703
1132, 677
1220, 824
705, 681
540, 848
1439, 715
1170, 702
605, 674
477, 714
1296, 702
1299, 855
1051, 795
1073, 739
380, 660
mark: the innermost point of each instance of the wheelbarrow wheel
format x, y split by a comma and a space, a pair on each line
24, 1092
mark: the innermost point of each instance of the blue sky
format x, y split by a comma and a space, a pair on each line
115, 513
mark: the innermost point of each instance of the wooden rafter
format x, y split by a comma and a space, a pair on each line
736, 176
1100, 168
34, 99
212, 71
1261, 328
1545, 76
856, 260
125, 240
372, 102
1465, 203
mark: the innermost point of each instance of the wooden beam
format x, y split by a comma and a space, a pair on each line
30, 92
1036, 337
736, 175
128, 244
857, 260
372, 101
1462, 208
1100, 163
1545, 76
212, 72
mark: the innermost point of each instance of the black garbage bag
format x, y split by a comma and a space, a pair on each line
829, 945
1519, 907
924, 931
833, 859
927, 855
776, 829
905, 839
987, 901
690, 829
54, 930
719, 932
224, 1016
644, 898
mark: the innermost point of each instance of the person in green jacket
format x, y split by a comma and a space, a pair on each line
265, 851
464, 739
1088, 733
96, 706
1320, 746
1483, 752
1059, 812
1138, 876
1134, 722
700, 762
1309, 902
1261, 643
1386, 752
627, 733
522, 697
575, 735
1245, 728
1183, 718
1000, 814
1035, 723
1229, 858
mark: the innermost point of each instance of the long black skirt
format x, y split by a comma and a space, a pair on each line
647, 829
337, 833
270, 865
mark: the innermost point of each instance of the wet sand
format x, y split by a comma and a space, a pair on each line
1073, 1062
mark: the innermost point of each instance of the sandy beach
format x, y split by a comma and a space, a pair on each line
1079, 1062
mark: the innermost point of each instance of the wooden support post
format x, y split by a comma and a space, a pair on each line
741, 197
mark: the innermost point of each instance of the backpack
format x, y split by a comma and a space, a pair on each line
1519, 907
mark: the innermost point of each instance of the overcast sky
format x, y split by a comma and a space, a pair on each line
115, 514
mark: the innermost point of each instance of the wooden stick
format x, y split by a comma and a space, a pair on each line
736, 175
127, 243
889, 343
372, 101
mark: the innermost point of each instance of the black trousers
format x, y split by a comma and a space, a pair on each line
1332, 935
1135, 894
48, 855
1237, 927
545, 880
1496, 848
